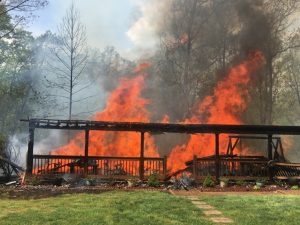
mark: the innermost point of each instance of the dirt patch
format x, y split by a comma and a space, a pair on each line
36, 192
45, 191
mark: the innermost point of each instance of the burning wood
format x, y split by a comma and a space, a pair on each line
125, 104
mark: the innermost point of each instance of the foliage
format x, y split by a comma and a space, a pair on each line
295, 187
224, 179
208, 181
280, 183
260, 182
256, 187
153, 180
133, 181
19, 12
18, 93
240, 182
5, 23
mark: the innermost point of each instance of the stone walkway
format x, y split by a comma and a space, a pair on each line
209, 211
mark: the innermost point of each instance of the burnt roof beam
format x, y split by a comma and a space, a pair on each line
163, 127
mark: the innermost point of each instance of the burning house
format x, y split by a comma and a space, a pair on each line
119, 141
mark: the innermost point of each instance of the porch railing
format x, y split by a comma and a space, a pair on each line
100, 165
246, 168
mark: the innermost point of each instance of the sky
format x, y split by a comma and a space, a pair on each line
119, 23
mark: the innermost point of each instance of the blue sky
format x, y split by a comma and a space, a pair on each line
107, 21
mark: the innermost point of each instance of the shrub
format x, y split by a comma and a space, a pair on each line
208, 182
133, 182
261, 180
153, 180
240, 182
256, 188
280, 183
224, 182
224, 179
295, 187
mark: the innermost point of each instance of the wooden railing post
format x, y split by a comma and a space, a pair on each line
86, 152
142, 156
29, 163
217, 158
165, 166
270, 154
195, 167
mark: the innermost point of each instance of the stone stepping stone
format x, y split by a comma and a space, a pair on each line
209, 211
204, 206
212, 212
199, 203
193, 198
221, 220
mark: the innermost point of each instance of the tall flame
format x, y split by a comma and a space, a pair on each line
123, 105
224, 106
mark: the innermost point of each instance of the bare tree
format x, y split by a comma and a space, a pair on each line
70, 59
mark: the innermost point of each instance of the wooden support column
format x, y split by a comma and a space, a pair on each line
86, 152
165, 166
270, 154
142, 156
270, 148
29, 163
217, 159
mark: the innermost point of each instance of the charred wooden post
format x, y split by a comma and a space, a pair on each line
281, 150
270, 155
270, 147
231, 146
29, 163
86, 152
217, 159
165, 167
142, 156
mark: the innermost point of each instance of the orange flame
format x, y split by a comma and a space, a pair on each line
124, 105
224, 106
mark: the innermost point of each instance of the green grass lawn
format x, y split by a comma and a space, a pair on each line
139, 207
148, 207
259, 209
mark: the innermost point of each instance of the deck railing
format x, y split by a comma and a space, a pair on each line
286, 170
246, 168
100, 165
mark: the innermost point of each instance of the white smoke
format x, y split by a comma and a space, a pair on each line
144, 31
18, 149
44, 142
